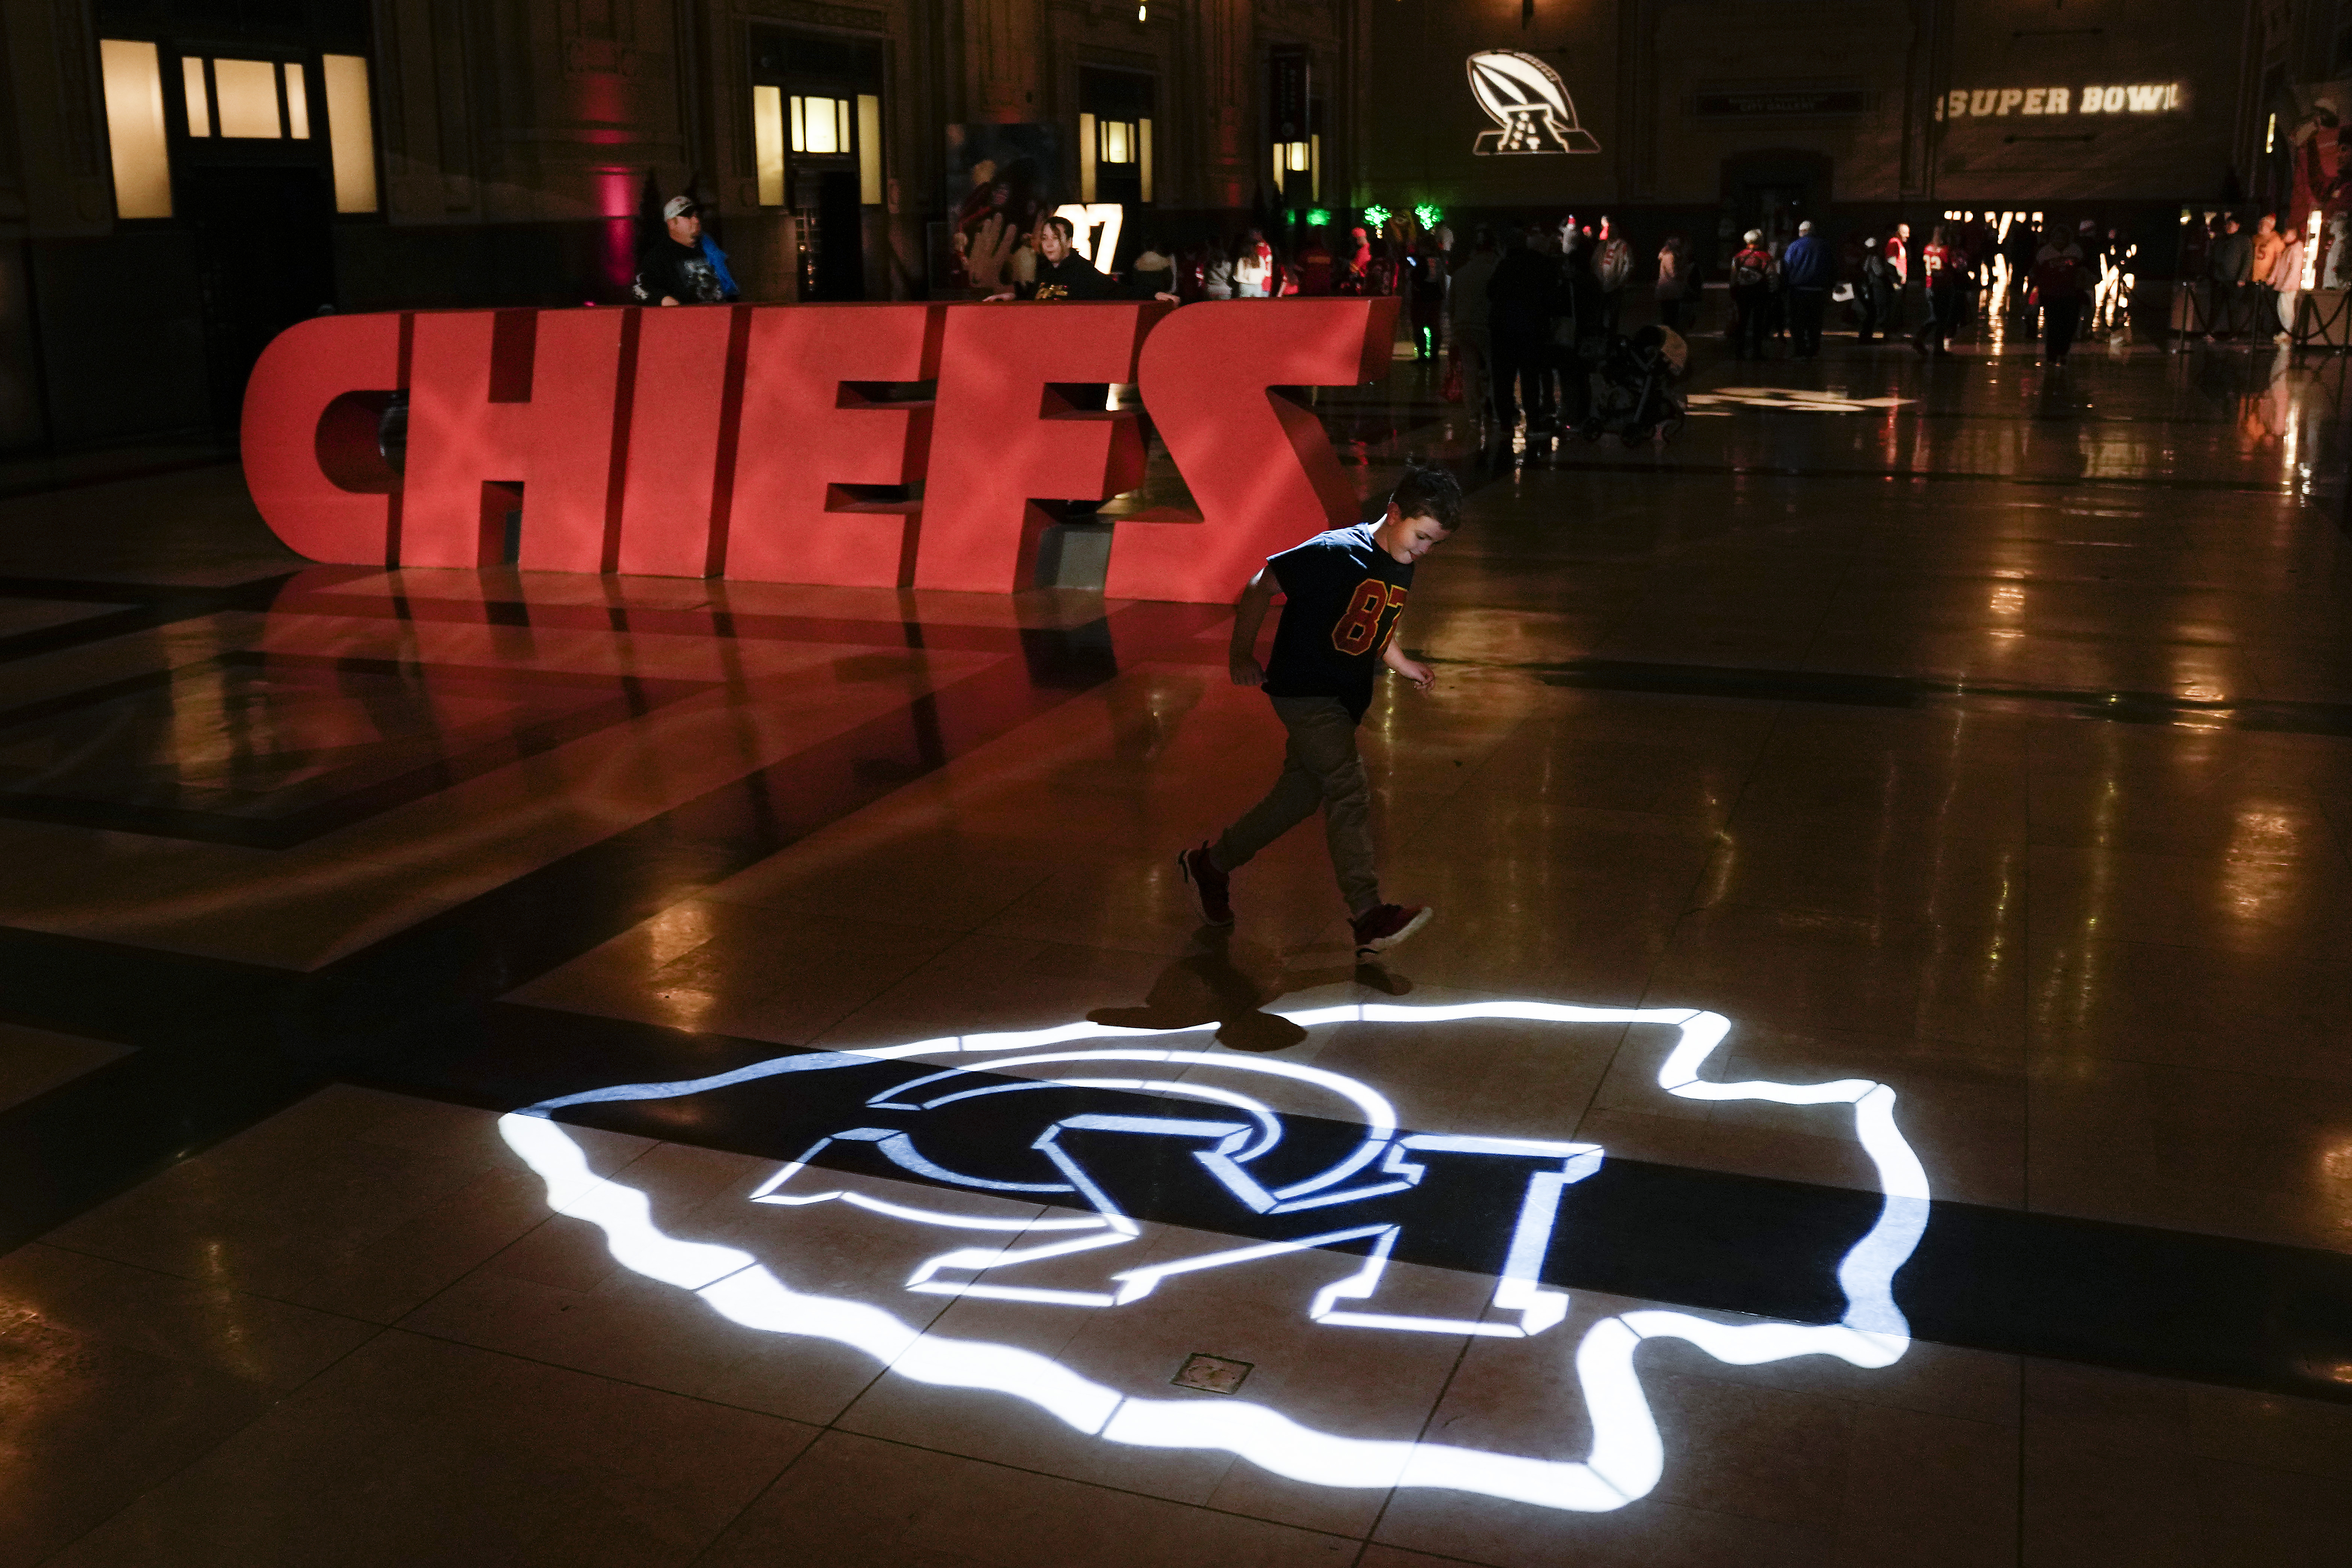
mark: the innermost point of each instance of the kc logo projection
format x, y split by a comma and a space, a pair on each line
767, 443
1008, 1183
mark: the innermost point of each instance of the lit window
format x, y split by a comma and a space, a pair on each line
297, 103
199, 97
1117, 140
245, 94
768, 144
869, 148
1143, 155
350, 132
820, 124
133, 76
1295, 157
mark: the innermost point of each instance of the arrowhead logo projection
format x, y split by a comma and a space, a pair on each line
1003, 1180
1529, 104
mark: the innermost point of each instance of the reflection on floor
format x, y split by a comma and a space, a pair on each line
498, 1068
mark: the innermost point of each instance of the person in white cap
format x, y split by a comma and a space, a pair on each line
1753, 273
678, 269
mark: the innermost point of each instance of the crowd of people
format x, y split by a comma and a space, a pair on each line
1245, 267
2252, 281
1525, 313
2053, 281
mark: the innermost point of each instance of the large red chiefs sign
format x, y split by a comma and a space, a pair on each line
757, 441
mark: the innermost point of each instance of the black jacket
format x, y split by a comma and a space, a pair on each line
1075, 278
1521, 292
680, 272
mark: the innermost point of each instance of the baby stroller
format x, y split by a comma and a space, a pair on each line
1635, 401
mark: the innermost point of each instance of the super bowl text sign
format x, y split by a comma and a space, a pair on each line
760, 443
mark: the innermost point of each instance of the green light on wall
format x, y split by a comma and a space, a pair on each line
1318, 217
1426, 214
1376, 215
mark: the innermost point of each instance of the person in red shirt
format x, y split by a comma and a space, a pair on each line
1354, 268
2063, 280
1898, 256
1315, 264
1942, 264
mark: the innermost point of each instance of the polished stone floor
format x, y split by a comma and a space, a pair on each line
514, 1069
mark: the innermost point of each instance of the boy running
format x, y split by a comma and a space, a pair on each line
1344, 592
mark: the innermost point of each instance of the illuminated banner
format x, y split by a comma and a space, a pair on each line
1998, 102
1013, 1167
754, 442
1765, 102
1529, 104
1086, 221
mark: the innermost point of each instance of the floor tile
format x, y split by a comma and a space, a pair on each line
414, 1451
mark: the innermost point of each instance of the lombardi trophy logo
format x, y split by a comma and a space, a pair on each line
1529, 104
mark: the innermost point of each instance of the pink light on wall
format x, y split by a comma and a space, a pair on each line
616, 193
616, 199
602, 99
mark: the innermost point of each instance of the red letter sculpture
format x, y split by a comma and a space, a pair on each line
1258, 465
809, 438
309, 433
674, 473
1003, 439
674, 492
536, 413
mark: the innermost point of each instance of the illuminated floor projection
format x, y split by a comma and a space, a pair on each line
1212, 1113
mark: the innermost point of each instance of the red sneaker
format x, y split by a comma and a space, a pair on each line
1383, 926
1209, 886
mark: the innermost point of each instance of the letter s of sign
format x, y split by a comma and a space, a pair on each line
732, 441
1258, 464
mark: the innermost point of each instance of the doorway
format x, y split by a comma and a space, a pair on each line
832, 244
1772, 191
264, 259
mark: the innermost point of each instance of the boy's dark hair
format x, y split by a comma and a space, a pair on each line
1069, 229
1431, 492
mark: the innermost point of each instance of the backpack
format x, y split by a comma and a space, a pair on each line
1747, 272
1614, 264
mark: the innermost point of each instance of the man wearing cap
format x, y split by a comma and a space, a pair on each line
1809, 269
680, 268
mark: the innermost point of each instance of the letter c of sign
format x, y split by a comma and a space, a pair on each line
308, 436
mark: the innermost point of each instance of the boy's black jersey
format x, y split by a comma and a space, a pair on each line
1345, 593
